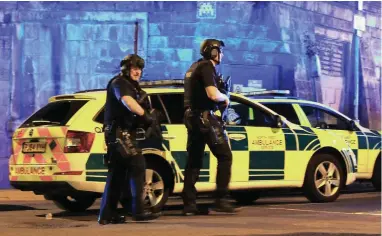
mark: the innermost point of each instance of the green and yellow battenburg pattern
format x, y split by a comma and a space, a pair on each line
262, 156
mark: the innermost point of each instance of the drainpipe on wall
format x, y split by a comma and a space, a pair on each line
136, 38
356, 77
316, 74
314, 65
359, 26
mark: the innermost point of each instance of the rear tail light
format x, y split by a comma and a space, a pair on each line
78, 142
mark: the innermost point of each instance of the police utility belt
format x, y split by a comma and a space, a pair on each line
203, 115
207, 123
122, 140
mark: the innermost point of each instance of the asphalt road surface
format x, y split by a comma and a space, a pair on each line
354, 213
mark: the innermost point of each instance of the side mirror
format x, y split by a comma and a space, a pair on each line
322, 125
352, 125
277, 122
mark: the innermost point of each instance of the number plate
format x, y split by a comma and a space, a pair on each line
34, 147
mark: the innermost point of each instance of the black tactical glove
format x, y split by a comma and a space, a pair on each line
153, 129
147, 119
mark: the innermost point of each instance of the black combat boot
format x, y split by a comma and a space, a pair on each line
117, 219
145, 216
192, 210
222, 205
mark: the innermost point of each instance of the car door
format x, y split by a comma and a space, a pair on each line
175, 135
258, 149
322, 118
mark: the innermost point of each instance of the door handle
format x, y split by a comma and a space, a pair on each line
237, 137
166, 136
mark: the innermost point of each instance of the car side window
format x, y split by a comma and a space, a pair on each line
100, 117
243, 114
170, 107
284, 109
320, 118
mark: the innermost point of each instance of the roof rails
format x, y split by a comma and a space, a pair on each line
69, 97
158, 83
260, 97
148, 84
264, 92
90, 90
180, 83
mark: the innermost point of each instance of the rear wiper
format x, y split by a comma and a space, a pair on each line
45, 122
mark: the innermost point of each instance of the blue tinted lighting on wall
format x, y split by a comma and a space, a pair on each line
20, 31
185, 54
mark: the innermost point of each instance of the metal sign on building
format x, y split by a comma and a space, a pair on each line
206, 10
331, 55
359, 22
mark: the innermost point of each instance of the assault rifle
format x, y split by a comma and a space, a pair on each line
154, 130
224, 86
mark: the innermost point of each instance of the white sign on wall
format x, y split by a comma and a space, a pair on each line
206, 10
359, 22
255, 83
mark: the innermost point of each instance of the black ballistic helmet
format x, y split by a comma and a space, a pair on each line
129, 61
207, 48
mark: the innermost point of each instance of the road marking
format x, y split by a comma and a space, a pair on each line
329, 212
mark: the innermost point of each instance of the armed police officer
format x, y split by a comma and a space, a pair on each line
201, 100
123, 116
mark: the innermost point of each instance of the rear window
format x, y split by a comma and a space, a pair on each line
101, 116
55, 113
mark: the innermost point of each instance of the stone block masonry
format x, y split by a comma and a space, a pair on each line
49, 48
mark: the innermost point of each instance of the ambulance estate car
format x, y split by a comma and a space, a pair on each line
58, 152
365, 143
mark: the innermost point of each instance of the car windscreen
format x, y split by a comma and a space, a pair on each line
55, 113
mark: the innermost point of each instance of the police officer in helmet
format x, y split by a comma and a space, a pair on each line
123, 116
204, 127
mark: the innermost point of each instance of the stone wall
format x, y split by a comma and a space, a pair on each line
49, 48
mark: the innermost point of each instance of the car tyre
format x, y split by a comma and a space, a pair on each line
73, 204
376, 178
324, 178
156, 189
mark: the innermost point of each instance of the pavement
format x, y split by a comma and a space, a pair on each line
353, 214
18, 195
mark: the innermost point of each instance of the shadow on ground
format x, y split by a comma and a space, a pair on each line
205, 202
88, 215
311, 234
8, 207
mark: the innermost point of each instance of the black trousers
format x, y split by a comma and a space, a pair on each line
196, 143
123, 173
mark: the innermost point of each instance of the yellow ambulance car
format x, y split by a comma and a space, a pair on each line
365, 143
58, 152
